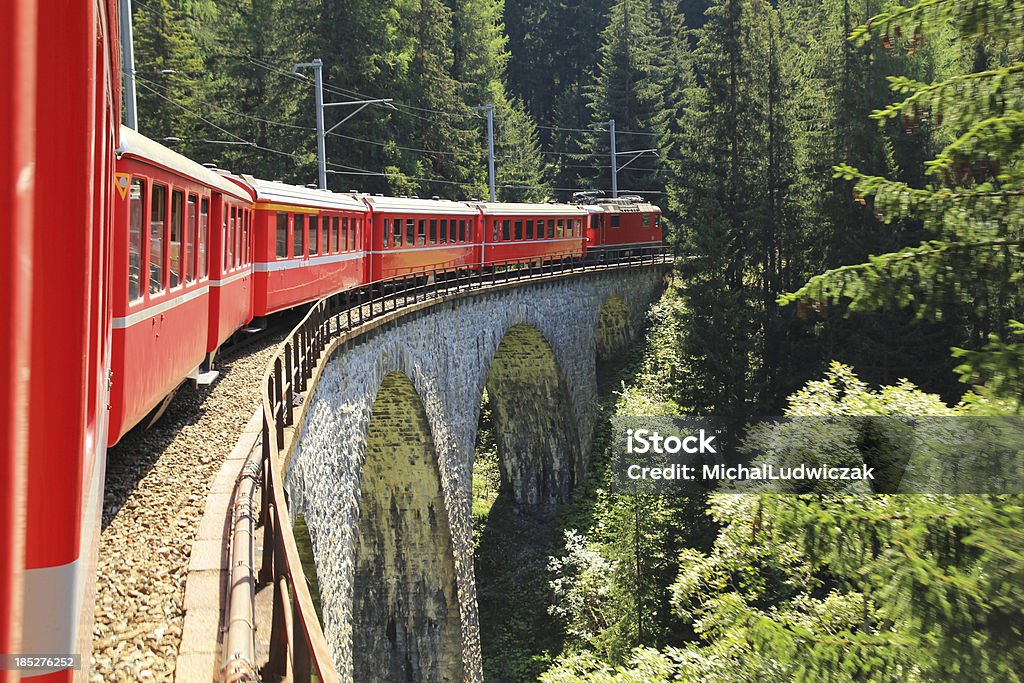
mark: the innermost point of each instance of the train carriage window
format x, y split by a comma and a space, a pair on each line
314, 234
616, 219
410, 232
519, 230
494, 231
433, 231
387, 232
357, 232
335, 227
204, 237
645, 220
344, 233
396, 232
421, 234
157, 238
561, 228
238, 237
248, 237
579, 228
464, 230
529, 230
282, 236
325, 236
453, 235
136, 209
506, 230
192, 218
540, 229
551, 228
229, 237
299, 235
443, 232
177, 223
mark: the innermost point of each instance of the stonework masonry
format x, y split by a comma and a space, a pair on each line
382, 467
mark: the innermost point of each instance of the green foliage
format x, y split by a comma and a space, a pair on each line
843, 588
970, 198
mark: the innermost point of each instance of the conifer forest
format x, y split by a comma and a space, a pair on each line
842, 183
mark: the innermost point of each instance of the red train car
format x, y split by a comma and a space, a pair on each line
411, 236
17, 156
531, 232
626, 223
309, 243
162, 254
56, 169
231, 265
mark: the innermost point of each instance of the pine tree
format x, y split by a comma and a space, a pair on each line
172, 81
968, 201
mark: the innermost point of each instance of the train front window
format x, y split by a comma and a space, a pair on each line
645, 220
192, 218
177, 222
299, 235
282, 236
136, 209
204, 237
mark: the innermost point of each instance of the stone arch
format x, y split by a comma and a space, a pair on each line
406, 622
615, 329
534, 422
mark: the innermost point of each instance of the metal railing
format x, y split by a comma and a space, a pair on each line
297, 644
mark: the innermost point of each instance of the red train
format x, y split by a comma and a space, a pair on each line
167, 260
58, 131
184, 287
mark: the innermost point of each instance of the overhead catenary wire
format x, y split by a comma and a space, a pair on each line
348, 169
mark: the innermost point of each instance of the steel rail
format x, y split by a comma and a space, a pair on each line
298, 647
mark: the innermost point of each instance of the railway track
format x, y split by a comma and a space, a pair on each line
155, 493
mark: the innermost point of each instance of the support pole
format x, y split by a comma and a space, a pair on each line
321, 136
615, 161
490, 150
131, 117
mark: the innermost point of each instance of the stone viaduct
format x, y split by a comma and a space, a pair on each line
382, 467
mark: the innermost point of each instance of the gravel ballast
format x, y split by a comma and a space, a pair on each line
155, 493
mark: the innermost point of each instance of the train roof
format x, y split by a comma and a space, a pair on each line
273, 192
518, 209
621, 205
136, 145
427, 206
